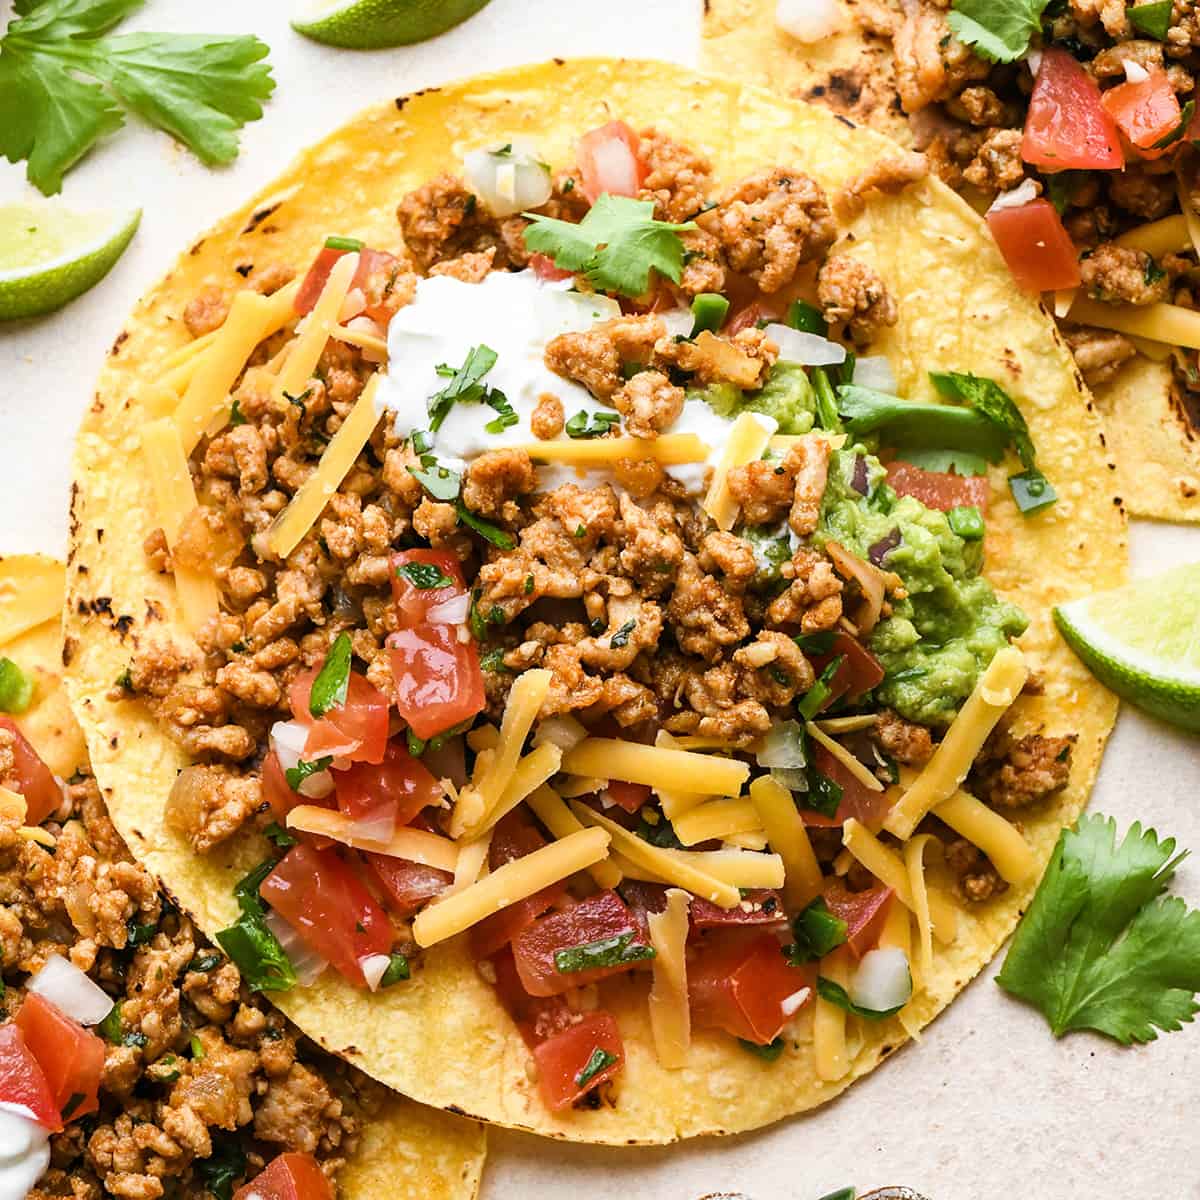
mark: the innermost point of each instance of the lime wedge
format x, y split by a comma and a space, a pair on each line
375, 24
49, 254
1143, 642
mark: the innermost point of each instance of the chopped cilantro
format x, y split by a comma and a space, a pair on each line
464, 386
823, 795
621, 637
768, 1053
305, 768
819, 694
425, 576
600, 1060
224, 1166
280, 836
485, 529
817, 932
493, 660
139, 935
1101, 947
250, 943
397, 970
440, 482
616, 245
602, 422
16, 688
1151, 19
332, 681
607, 952
110, 1028
124, 680
205, 961
1185, 119
508, 415
1061, 187
834, 993
997, 30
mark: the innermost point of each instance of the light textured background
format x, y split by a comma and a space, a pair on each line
988, 1107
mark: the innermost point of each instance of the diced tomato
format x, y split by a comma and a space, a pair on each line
544, 268
438, 680
749, 317
356, 729
942, 490
1145, 112
291, 1176
537, 1017
632, 797
865, 913
608, 161
71, 1057
1067, 126
599, 918
1036, 246
327, 904
513, 838
860, 670
739, 981
407, 886
578, 1060
22, 1080
760, 906
858, 801
413, 603
400, 784
34, 780
374, 276
276, 790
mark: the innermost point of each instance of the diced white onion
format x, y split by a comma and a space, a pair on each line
1034, 59
508, 183
783, 746
377, 826
1135, 72
795, 1001
874, 371
307, 963
808, 20
287, 740
1024, 193
562, 731
70, 990
792, 778
808, 349
450, 612
679, 321
883, 980
317, 786
373, 967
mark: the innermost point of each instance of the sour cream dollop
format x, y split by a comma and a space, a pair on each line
24, 1150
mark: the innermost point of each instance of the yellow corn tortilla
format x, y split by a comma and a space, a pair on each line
443, 1037
404, 1149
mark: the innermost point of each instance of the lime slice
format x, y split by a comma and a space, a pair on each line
375, 24
1143, 642
49, 254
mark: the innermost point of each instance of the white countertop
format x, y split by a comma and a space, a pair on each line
988, 1106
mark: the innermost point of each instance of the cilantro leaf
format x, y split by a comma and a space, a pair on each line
986, 396
616, 245
464, 386
199, 88
1101, 947
997, 30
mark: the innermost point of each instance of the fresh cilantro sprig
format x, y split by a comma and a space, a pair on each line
1101, 947
998, 30
465, 386
200, 88
616, 245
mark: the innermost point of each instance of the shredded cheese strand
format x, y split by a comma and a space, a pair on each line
415, 845
787, 836
829, 1022
309, 343
550, 809
843, 756
670, 1014
656, 767
672, 449
999, 839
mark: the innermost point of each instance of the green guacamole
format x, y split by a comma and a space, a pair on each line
941, 637
787, 396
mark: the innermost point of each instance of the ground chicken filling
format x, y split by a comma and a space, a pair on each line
651, 619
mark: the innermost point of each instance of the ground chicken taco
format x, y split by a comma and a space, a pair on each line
1075, 124
607, 518
146, 1065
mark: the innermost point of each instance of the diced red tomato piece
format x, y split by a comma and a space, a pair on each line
544, 268
276, 790
760, 906
579, 1060
1145, 112
608, 161
71, 1057
413, 603
599, 918
327, 904
858, 801
22, 1080
291, 1176
860, 670
942, 490
739, 981
865, 913
749, 317
373, 277
400, 784
356, 729
1036, 246
34, 780
632, 797
438, 680
1067, 126
407, 886
537, 1017
643, 898
513, 838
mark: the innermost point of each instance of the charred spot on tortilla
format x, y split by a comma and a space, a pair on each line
119, 342
258, 217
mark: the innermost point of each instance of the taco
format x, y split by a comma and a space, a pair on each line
1107, 224
127, 1032
604, 631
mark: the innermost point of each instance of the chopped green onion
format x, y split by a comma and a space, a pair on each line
16, 688
1154, 20
806, 318
1032, 491
827, 404
343, 243
425, 576
967, 521
818, 695
607, 952
600, 1060
768, 1053
332, 681
709, 310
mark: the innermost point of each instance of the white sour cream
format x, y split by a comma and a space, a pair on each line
24, 1151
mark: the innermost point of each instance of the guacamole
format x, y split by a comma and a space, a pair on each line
945, 632
787, 396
